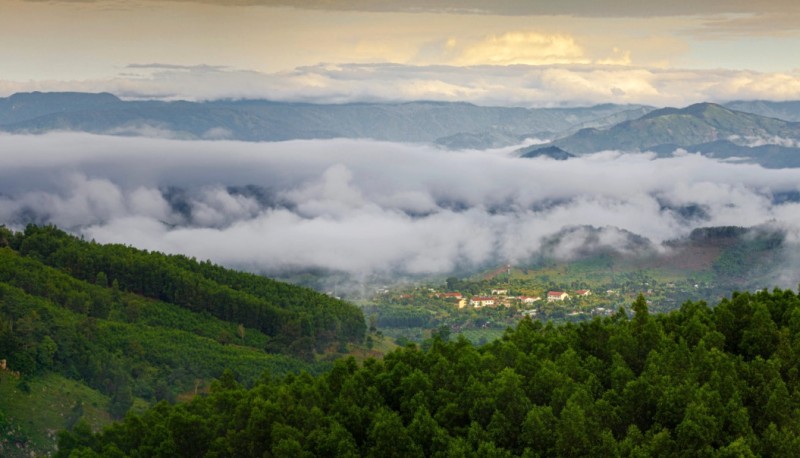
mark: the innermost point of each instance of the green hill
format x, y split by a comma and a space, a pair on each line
706, 127
788, 110
131, 324
699, 381
33, 412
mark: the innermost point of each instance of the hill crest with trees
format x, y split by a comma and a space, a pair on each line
698, 381
136, 326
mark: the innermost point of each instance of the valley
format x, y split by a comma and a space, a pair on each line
706, 266
391, 229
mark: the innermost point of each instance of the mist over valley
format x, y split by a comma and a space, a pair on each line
281, 228
382, 210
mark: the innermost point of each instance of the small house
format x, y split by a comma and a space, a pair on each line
553, 296
481, 301
527, 300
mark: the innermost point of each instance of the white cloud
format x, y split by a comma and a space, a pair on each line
149, 203
365, 207
527, 48
505, 85
216, 207
591, 8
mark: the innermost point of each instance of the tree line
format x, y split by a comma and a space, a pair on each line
130, 323
299, 320
698, 381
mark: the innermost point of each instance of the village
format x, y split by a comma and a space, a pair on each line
484, 305
502, 298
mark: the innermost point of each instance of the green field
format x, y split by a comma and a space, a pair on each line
52, 403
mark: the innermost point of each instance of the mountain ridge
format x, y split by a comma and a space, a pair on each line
469, 125
708, 128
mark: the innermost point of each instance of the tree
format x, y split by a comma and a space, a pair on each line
442, 333
45, 352
452, 283
641, 314
101, 280
427, 434
80, 436
75, 414
760, 337
333, 441
538, 429
189, 432
121, 400
699, 428
511, 406
571, 433
240, 331
388, 437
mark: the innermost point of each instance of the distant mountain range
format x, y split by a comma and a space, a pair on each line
707, 128
788, 111
764, 132
453, 125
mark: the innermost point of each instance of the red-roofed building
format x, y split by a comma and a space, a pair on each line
557, 296
583, 292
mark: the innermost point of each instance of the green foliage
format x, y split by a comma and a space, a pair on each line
697, 381
738, 260
285, 312
400, 316
29, 419
164, 325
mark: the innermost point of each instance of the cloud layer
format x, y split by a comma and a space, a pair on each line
511, 85
592, 8
367, 207
510, 52
764, 17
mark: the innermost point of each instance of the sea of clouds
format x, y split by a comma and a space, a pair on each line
365, 207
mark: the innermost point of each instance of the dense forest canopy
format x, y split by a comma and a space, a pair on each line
135, 324
297, 319
698, 381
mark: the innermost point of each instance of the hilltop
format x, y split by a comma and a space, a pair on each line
707, 128
697, 381
125, 327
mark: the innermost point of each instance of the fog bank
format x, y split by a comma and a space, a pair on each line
365, 207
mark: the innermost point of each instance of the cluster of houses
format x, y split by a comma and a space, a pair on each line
501, 297
555, 296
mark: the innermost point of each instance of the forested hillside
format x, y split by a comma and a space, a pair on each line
699, 381
137, 325
296, 319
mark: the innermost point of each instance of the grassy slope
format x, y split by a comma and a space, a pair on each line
38, 415
46, 409
155, 337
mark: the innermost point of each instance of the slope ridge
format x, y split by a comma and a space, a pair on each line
703, 127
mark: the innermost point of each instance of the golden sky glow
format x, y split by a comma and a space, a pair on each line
77, 42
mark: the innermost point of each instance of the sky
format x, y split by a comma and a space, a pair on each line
504, 52
365, 207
